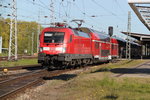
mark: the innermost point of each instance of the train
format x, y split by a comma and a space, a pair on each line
135, 48
62, 47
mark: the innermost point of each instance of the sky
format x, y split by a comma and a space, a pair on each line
97, 14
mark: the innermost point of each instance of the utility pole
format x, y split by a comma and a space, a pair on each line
12, 55
38, 33
128, 43
1, 44
52, 12
32, 43
29, 45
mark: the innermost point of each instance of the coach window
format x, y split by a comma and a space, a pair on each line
112, 47
96, 45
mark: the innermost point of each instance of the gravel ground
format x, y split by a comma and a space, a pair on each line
13, 72
53, 89
137, 71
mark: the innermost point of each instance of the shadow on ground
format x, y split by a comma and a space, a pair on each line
111, 97
131, 70
64, 77
125, 70
33, 68
101, 70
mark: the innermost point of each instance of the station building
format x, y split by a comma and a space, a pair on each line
142, 10
144, 40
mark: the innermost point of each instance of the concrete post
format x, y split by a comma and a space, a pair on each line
0, 44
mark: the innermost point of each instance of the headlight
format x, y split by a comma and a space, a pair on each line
46, 48
62, 49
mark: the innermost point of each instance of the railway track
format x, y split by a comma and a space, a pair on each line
18, 71
10, 86
13, 84
6, 77
19, 57
21, 67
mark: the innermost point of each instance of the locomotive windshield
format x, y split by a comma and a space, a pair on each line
54, 37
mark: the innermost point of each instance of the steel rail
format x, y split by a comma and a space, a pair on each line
20, 67
8, 87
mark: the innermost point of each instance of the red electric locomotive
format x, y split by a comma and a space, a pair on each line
61, 46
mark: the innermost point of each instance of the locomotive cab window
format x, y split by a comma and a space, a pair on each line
54, 37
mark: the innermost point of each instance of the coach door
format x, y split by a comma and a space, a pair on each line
96, 48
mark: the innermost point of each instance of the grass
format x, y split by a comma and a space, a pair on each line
112, 88
102, 86
3, 54
18, 63
106, 88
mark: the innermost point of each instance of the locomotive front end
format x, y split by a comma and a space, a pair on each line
53, 43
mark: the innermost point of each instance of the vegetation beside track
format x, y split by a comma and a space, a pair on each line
98, 83
3, 54
20, 62
99, 87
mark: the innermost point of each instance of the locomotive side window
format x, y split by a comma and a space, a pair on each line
82, 34
54, 37
70, 38
86, 35
75, 32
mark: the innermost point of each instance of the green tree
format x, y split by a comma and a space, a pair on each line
25, 30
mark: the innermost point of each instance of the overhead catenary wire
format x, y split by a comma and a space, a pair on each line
90, 17
3, 6
123, 11
66, 8
112, 13
45, 7
65, 13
